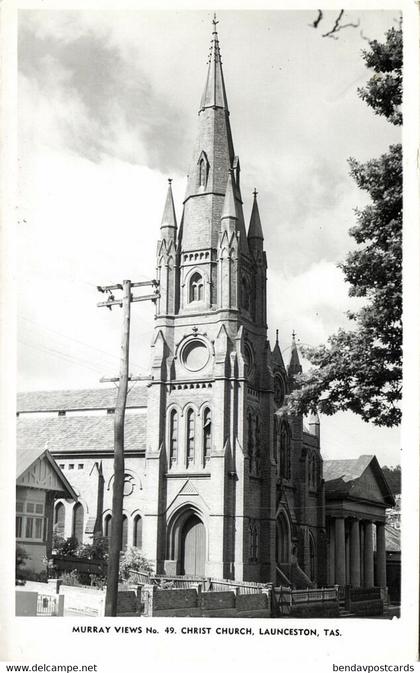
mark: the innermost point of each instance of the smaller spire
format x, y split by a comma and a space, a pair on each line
255, 228
294, 367
276, 353
169, 215
229, 206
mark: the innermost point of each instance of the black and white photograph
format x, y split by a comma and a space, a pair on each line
211, 416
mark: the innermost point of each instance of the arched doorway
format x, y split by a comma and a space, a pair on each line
193, 546
282, 540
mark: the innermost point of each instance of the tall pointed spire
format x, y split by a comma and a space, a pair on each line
294, 367
213, 157
255, 228
214, 94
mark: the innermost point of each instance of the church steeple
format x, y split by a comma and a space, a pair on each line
294, 367
213, 158
214, 94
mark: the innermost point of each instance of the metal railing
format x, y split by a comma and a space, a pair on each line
49, 606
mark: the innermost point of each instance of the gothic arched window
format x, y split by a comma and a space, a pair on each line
196, 292
124, 535
59, 517
190, 436
244, 293
285, 457
203, 170
206, 435
138, 531
77, 528
107, 525
173, 437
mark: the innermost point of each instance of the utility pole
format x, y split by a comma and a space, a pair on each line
119, 416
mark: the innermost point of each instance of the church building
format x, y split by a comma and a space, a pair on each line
220, 481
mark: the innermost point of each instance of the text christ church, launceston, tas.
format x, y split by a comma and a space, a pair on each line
219, 480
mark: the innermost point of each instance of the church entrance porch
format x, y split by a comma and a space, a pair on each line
193, 547
186, 544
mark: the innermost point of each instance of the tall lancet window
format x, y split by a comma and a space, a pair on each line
173, 437
206, 435
190, 436
203, 170
196, 287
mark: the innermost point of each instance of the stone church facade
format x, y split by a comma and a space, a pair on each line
219, 480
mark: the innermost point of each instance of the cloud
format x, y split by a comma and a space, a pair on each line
101, 102
313, 303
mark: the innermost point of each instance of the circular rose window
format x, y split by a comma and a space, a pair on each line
195, 355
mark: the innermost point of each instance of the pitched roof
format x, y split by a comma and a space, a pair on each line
78, 433
344, 477
25, 457
77, 400
346, 470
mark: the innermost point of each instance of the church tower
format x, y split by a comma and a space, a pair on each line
211, 463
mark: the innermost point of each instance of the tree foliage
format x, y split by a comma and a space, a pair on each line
360, 369
393, 477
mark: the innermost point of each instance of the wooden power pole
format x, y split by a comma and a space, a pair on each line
115, 543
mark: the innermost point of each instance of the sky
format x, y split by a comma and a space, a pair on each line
108, 104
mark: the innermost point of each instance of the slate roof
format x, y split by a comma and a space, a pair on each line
78, 433
74, 400
346, 470
25, 457
341, 475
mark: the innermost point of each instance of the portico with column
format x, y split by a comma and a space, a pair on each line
357, 496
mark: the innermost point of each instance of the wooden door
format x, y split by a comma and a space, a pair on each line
193, 547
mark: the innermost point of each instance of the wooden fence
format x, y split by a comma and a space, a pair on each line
207, 583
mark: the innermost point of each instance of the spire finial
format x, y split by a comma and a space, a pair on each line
277, 336
255, 192
294, 335
170, 181
215, 21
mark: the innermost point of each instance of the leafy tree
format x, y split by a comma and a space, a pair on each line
133, 561
393, 477
360, 369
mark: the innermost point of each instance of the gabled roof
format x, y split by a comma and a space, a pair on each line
26, 457
78, 433
77, 400
344, 478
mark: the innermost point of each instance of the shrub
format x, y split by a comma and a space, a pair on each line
32, 576
71, 579
21, 556
64, 547
97, 551
131, 561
